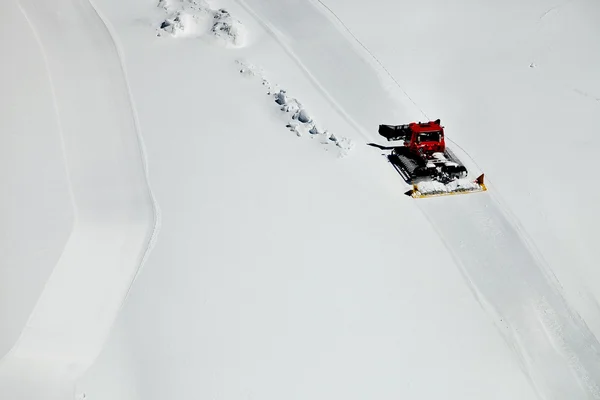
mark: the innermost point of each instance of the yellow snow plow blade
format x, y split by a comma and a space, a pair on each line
438, 189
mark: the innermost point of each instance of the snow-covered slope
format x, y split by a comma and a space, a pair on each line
282, 270
31, 168
576, 362
100, 192
356, 93
517, 85
290, 264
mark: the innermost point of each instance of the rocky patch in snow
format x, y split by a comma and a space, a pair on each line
196, 18
299, 120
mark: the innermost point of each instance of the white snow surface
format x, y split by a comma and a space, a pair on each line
101, 190
282, 270
458, 185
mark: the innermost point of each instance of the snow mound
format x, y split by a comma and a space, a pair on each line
196, 18
229, 30
300, 120
435, 187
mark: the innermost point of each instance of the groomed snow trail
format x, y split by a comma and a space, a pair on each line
116, 218
556, 348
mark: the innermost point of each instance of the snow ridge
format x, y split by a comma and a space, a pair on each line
300, 121
196, 18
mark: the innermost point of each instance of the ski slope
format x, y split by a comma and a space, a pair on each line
289, 264
560, 353
557, 348
112, 215
516, 85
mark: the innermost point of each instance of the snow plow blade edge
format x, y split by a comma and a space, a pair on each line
476, 186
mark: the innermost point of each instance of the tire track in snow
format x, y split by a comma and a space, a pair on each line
372, 56
275, 33
331, 82
510, 279
116, 216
